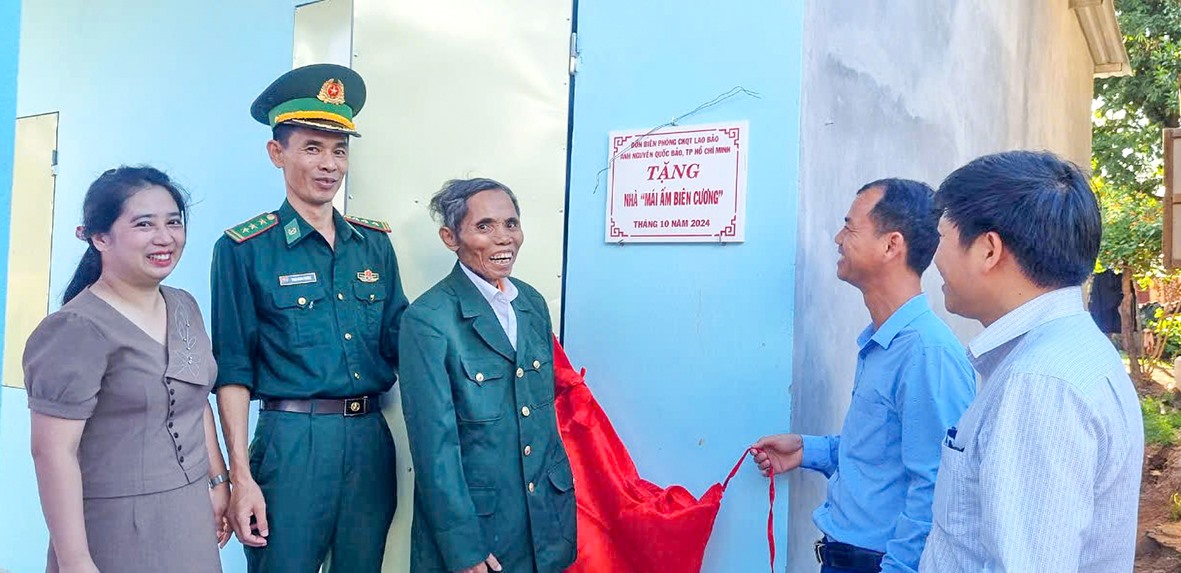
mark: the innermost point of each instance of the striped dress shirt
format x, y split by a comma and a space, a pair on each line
1042, 473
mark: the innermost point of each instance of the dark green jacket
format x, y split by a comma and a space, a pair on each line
295, 318
491, 474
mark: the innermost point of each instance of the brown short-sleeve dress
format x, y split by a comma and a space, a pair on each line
142, 453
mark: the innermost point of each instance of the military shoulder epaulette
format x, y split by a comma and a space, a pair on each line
252, 228
369, 223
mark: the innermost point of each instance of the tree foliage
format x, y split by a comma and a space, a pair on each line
1127, 148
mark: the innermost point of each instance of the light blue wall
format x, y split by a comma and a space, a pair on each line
10, 14
166, 83
689, 347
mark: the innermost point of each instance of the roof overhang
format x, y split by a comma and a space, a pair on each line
1106, 43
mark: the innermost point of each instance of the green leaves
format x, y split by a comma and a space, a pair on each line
1130, 113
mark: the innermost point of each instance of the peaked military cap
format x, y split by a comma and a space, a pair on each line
320, 96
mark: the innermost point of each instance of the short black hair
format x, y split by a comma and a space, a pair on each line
282, 133
1041, 206
907, 207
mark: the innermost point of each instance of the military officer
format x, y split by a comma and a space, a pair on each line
493, 488
306, 308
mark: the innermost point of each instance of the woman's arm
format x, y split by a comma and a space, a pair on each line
59, 481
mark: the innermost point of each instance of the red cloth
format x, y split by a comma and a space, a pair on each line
625, 523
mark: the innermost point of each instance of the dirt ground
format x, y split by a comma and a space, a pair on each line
1162, 478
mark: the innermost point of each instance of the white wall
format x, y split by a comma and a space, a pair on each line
909, 88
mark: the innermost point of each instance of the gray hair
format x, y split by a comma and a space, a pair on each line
449, 204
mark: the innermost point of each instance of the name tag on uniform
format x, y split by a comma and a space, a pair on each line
299, 279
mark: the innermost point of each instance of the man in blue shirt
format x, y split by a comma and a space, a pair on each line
913, 381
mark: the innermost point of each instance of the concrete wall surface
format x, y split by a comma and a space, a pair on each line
913, 88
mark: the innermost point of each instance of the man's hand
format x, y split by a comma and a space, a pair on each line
220, 497
779, 453
489, 564
246, 501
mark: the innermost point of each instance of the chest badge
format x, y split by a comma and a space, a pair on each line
368, 276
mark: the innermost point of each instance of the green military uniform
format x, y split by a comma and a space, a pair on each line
295, 319
491, 473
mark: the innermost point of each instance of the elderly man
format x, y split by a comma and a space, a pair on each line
493, 488
912, 383
1042, 473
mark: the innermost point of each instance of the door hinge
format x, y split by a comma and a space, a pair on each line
53, 164
573, 53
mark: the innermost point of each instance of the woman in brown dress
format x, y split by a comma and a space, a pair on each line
129, 469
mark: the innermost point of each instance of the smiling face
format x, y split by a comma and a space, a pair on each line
859, 244
490, 235
314, 164
146, 241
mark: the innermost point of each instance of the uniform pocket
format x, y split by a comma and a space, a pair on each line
482, 391
371, 304
562, 481
301, 311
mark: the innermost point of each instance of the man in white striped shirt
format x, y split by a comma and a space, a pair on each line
1042, 473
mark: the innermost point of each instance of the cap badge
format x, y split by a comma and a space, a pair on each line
332, 92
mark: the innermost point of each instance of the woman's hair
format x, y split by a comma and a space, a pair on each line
103, 205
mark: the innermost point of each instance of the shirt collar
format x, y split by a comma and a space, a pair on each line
295, 228
906, 314
488, 290
1034, 313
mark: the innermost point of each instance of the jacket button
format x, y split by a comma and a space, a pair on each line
301, 301
520, 373
340, 296
528, 450
525, 411
531, 487
536, 364
479, 376
357, 375
348, 336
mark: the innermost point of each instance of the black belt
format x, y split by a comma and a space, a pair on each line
347, 406
845, 556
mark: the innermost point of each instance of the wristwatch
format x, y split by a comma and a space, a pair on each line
218, 480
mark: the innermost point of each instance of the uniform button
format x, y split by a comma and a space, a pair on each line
182, 459
536, 364
525, 411
171, 414
372, 297
340, 296
479, 376
301, 300
357, 375
175, 435
168, 381
178, 448
172, 402
190, 360
171, 391
520, 373
169, 424
528, 450
531, 487
348, 336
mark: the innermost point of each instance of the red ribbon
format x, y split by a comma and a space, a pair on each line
771, 500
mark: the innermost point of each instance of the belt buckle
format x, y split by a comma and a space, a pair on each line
818, 547
356, 406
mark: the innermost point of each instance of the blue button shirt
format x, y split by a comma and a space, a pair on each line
913, 382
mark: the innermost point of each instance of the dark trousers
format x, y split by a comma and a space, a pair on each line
330, 485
